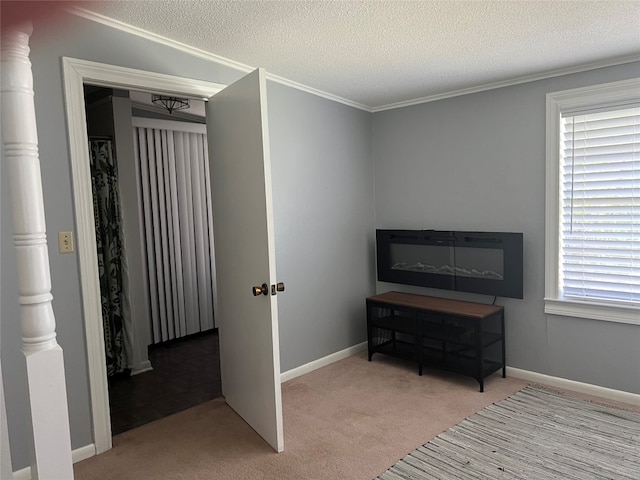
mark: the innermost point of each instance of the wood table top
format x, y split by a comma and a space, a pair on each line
437, 304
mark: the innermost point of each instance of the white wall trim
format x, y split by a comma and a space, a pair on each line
586, 388
114, 76
77, 455
144, 366
592, 310
75, 74
514, 81
95, 17
197, 52
22, 474
83, 453
558, 382
319, 93
183, 47
322, 362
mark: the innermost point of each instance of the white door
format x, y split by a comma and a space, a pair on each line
245, 254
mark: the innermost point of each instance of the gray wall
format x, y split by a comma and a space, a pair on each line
328, 144
323, 208
477, 162
136, 300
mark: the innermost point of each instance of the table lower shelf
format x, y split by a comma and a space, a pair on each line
462, 364
462, 337
466, 365
397, 348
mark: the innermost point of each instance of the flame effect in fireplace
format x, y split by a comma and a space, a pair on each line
448, 270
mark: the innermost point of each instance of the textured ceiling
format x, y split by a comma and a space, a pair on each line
378, 53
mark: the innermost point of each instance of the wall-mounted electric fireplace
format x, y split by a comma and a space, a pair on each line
478, 262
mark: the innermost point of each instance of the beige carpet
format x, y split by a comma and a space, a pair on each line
350, 420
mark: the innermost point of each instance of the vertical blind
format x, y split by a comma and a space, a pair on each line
600, 205
178, 227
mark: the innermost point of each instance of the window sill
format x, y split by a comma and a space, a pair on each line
594, 311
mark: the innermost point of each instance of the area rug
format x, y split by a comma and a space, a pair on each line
535, 433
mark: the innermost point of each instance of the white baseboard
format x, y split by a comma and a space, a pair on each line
143, 367
77, 455
24, 474
322, 362
83, 453
563, 383
586, 388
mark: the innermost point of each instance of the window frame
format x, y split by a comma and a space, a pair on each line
557, 103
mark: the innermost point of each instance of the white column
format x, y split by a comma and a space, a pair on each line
45, 367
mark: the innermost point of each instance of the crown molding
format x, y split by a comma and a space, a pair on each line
317, 92
96, 17
197, 52
514, 81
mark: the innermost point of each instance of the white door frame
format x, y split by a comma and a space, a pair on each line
76, 73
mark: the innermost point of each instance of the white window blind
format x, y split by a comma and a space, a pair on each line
600, 206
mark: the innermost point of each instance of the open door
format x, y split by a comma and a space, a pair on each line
245, 255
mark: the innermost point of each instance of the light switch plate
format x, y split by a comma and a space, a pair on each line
65, 242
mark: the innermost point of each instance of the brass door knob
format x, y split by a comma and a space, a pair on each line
261, 290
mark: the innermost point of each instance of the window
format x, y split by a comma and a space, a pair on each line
593, 202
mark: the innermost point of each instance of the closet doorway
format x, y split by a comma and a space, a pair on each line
241, 175
154, 241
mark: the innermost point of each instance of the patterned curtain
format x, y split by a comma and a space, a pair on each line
108, 220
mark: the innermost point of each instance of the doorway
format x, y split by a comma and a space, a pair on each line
76, 73
241, 166
160, 343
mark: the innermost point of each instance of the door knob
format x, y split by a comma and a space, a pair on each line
261, 290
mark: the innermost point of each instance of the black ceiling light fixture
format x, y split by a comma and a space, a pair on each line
170, 103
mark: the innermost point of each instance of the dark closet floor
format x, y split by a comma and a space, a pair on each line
186, 373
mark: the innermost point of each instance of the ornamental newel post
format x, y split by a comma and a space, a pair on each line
45, 367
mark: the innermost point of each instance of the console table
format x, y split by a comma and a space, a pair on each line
463, 337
